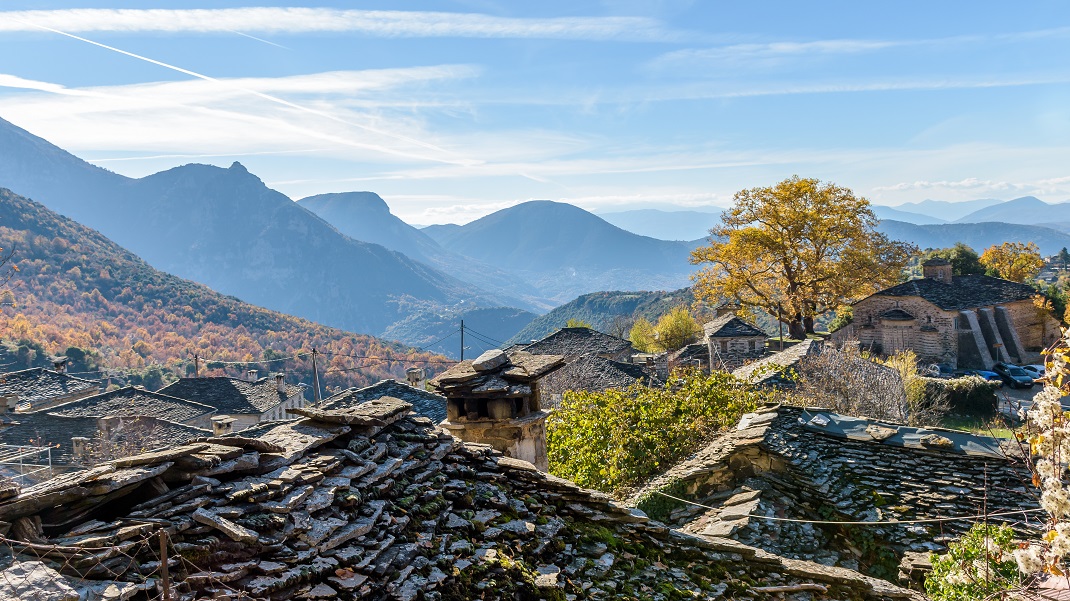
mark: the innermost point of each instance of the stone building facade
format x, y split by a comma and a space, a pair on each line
968, 321
732, 342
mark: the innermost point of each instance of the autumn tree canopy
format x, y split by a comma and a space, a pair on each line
1014, 261
673, 331
803, 246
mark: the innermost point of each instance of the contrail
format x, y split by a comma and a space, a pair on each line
276, 100
253, 37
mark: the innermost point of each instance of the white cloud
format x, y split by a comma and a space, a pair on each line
977, 187
380, 23
769, 53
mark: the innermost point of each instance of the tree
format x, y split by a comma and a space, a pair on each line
577, 323
676, 329
1014, 261
642, 336
1064, 257
802, 245
963, 259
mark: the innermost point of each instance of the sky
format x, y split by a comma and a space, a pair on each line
452, 110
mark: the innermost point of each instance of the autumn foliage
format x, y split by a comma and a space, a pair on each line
76, 288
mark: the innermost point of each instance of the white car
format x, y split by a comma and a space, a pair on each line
1036, 371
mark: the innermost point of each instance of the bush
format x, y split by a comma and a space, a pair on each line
617, 438
971, 395
980, 565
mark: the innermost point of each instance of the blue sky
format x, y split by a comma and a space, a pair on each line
452, 110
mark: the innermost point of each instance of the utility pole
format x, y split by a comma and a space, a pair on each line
315, 379
196, 365
780, 322
462, 340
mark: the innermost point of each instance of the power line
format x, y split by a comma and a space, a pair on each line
490, 338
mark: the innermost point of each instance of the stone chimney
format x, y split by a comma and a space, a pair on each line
495, 400
938, 269
727, 308
415, 376
280, 382
222, 425
80, 449
251, 374
8, 403
59, 364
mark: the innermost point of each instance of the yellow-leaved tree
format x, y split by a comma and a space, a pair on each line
1014, 261
673, 331
797, 249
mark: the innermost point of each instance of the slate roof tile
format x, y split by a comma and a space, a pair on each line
232, 395
571, 342
38, 384
427, 404
963, 292
731, 326
130, 401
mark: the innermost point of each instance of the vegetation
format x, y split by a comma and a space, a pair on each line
618, 438
970, 396
980, 565
577, 323
673, 331
1013, 261
77, 289
964, 260
799, 248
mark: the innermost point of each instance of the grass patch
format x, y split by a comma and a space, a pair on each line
991, 426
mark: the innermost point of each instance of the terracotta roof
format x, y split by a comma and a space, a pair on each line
571, 342
963, 292
232, 395
130, 401
427, 404
38, 384
731, 326
375, 504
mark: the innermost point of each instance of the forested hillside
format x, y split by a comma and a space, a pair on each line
76, 288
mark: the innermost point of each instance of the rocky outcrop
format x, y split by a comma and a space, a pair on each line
376, 504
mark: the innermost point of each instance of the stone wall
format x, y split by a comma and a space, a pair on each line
727, 354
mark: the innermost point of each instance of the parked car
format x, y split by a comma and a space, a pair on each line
1035, 371
1014, 376
984, 374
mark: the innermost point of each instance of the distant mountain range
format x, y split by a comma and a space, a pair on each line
76, 288
565, 251
365, 216
978, 236
946, 210
1027, 210
883, 212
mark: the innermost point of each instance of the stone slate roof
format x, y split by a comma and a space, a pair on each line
810, 464
697, 351
130, 401
963, 292
773, 370
374, 503
231, 395
896, 314
593, 374
936, 261
572, 342
38, 384
427, 404
731, 326
43, 428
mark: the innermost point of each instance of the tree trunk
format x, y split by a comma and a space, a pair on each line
808, 322
796, 329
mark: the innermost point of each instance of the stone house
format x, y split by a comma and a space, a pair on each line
239, 403
731, 341
133, 402
39, 388
593, 374
969, 321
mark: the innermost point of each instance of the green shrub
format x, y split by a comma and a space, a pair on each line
971, 395
978, 566
617, 438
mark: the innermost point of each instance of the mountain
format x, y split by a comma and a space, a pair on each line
565, 251
978, 236
440, 332
610, 312
365, 216
226, 229
948, 211
76, 288
665, 225
883, 212
1026, 210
